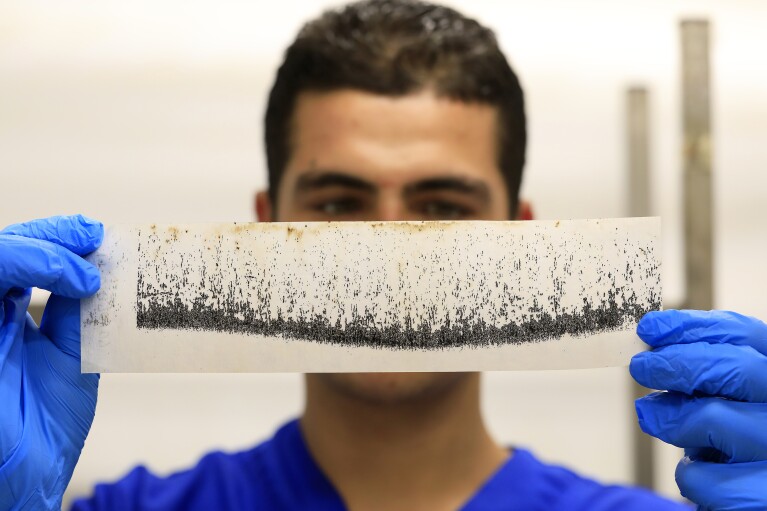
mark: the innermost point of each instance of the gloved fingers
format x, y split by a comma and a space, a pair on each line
13, 309
719, 487
12, 323
61, 324
734, 428
705, 454
76, 233
58, 375
725, 370
662, 328
28, 262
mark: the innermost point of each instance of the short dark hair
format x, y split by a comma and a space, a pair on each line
395, 47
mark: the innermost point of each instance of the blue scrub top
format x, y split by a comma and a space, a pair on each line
280, 474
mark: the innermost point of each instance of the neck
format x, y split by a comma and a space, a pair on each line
426, 452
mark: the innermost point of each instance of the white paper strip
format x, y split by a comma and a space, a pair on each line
347, 297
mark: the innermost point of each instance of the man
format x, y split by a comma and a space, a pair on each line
383, 110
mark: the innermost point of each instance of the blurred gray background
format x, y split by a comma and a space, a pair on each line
151, 112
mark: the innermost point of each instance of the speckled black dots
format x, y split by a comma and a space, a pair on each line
359, 332
500, 290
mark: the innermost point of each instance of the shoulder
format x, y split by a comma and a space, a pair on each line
586, 494
219, 480
558, 488
576, 492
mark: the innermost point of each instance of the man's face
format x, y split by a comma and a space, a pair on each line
361, 156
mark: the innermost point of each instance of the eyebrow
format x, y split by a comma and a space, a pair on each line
319, 180
326, 179
452, 184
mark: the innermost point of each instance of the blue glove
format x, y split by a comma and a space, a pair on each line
46, 405
714, 367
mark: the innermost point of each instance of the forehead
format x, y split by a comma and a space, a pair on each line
400, 137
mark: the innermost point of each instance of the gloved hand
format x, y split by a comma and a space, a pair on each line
46, 405
714, 367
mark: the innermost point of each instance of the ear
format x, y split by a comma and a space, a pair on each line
263, 206
524, 210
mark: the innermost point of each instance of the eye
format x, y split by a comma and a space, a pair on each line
444, 210
336, 207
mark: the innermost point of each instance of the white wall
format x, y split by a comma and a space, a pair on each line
151, 111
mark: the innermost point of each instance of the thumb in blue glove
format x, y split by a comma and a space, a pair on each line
46, 404
713, 367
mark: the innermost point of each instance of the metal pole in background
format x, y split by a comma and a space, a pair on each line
697, 193
696, 116
638, 152
638, 142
